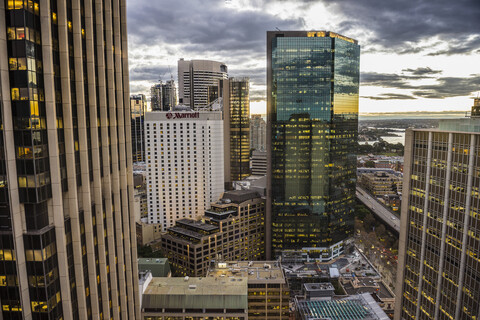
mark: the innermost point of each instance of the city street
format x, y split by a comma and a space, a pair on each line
378, 209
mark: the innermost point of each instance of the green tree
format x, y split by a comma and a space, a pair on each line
370, 164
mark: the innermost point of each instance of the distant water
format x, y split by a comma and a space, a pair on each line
411, 115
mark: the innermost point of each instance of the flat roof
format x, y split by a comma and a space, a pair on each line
255, 271
197, 224
239, 196
196, 293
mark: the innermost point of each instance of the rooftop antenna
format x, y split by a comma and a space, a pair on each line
277, 29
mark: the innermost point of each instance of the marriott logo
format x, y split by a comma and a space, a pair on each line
179, 115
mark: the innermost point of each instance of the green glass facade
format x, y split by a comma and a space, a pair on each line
312, 106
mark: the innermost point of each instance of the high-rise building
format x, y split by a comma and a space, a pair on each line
438, 273
163, 96
259, 163
312, 105
184, 151
258, 132
138, 106
67, 243
194, 79
236, 111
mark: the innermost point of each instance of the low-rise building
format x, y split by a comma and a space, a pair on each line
158, 267
232, 229
147, 232
268, 293
381, 183
181, 298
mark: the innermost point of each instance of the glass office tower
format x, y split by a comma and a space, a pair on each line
239, 128
312, 106
67, 228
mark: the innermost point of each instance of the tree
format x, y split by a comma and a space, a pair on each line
369, 222
369, 164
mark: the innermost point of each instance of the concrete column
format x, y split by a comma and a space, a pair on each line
110, 157
471, 161
70, 197
123, 106
446, 205
424, 223
96, 188
16, 209
84, 190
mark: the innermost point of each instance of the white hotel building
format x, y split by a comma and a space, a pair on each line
184, 154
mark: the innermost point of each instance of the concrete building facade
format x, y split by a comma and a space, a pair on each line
184, 152
195, 298
438, 273
67, 240
268, 293
163, 96
381, 183
258, 132
194, 79
259, 163
233, 228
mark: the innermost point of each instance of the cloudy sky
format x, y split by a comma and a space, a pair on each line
416, 55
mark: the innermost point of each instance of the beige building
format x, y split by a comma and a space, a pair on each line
268, 293
438, 273
194, 79
258, 132
67, 242
219, 298
381, 183
233, 228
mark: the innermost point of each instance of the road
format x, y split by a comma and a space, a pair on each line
378, 209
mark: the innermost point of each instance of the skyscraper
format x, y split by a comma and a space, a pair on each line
312, 106
258, 132
67, 243
236, 112
163, 96
138, 106
438, 273
184, 152
194, 79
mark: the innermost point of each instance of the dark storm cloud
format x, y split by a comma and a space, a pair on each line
202, 26
389, 80
390, 96
399, 24
448, 87
444, 87
422, 71
151, 72
203, 30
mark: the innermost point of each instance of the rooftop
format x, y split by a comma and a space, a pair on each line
239, 196
196, 293
255, 271
360, 307
197, 224
159, 267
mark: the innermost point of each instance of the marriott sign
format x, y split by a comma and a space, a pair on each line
180, 115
